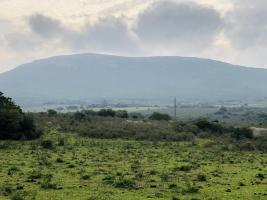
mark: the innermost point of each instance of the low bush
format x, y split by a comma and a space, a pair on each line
47, 144
51, 112
159, 116
18, 196
202, 177
242, 133
209, 126
106, 113
125, 183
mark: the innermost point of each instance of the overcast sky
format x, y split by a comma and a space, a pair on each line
234, 31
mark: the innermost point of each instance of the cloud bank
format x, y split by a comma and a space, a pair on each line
168, 23
159, 27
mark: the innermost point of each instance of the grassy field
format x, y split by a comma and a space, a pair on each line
81, 168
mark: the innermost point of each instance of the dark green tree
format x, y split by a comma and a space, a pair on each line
6, 103
14, 124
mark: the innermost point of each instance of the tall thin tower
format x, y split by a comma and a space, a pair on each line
175, 108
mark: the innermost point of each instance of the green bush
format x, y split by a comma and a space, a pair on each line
51, 112
18, 196
106, 113
242, 133
125, 183
47, 144
159, 116
210, 126
201, 177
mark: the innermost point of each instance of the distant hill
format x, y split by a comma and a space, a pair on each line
92, 76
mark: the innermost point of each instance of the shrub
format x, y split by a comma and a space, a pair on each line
260, 176
80, 116
35, 175
206, 125
125, 183
106, 113
47, 184
201, 177
61, 142
59, 160
51, 112
172, 186
109, 179
47, 144
191, 188
7, 190
85, 177
90, 113
17, 196
186, 127
184, 168
29, 129
136, 115
159, 116
122, 114
242, 133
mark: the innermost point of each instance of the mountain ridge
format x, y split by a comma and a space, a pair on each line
87, 76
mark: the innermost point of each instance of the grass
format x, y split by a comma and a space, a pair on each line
92, 169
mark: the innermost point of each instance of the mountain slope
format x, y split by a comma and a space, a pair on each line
87, 76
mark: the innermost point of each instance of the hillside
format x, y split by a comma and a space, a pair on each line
92, 76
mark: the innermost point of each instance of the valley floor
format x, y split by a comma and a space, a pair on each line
80, 168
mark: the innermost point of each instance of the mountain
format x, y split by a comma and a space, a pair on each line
92, 76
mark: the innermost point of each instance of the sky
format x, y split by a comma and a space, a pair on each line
233, 31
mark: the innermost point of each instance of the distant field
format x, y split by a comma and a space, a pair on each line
55, 107
91, 169
182, 112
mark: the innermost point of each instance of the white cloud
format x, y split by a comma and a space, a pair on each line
228, 30
184, 25
247, 24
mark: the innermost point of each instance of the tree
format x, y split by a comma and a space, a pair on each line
6, 103
122, 114
14, 124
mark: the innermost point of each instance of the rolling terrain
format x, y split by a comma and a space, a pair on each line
92, 76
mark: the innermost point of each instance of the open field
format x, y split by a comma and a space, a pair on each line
75, 167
